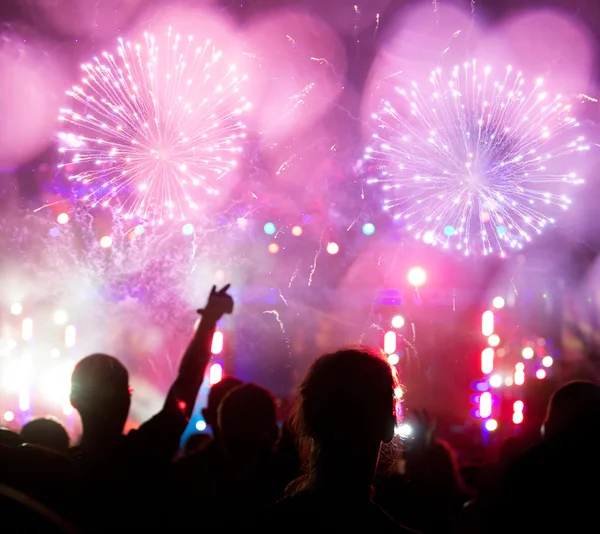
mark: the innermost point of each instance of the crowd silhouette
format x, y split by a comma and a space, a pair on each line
335, 461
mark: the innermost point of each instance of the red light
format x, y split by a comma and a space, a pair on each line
487, 361
389, 342
518, 418
487, 323
217, 343
215, 374
485, 404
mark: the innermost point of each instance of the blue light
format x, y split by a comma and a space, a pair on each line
54, 232
139, 229
188, 229
501, 230
449, 231
270, 228
368, 229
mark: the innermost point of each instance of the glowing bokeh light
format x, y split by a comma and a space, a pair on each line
332, 248
269, 228
540, 374
547, 361
153, 125
273, 248
475, 162
297, 231
393, 359
16, 308
200, 426
188, 229
368, 229
63, 218
106, 241
493, 340
527, 353
491, 425
398, 321
498, 303
9, 416
496, 381
417, 276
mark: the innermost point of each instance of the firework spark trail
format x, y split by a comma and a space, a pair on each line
282, 297
153, 125
282, 328
294, 275
473, 162
314, 263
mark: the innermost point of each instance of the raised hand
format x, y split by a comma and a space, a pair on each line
219, 303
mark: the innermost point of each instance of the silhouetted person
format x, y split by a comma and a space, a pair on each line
213, 451
118, 468
346, 408
550, 488
46, 432
8, 438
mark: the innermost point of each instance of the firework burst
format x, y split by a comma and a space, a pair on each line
474, 163
153, 126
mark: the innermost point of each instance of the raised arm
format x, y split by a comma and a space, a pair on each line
192, 368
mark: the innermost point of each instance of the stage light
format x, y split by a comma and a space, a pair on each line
485, 405
139, 229
540, 374
417, 276
508, 381
547, 361
60, 317
487, 323
63, 218
493, 340
404, 430
333, 248
297, 231
527, 353
16, 308
9, 416
518, 406
269, 228
24, 402
368, 228
517, 418
398, 393
215, 374
495, 381
216, 346
519, 374
70, 336
398, 321
498, 302
273, 248
393, 359
491, 425
188, 229
487, 360
389, 342
106, 241
201, 426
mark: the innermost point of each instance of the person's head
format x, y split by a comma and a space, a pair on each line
573, 406
216, 394
248, 419
46, 432
100, 393
342, 391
